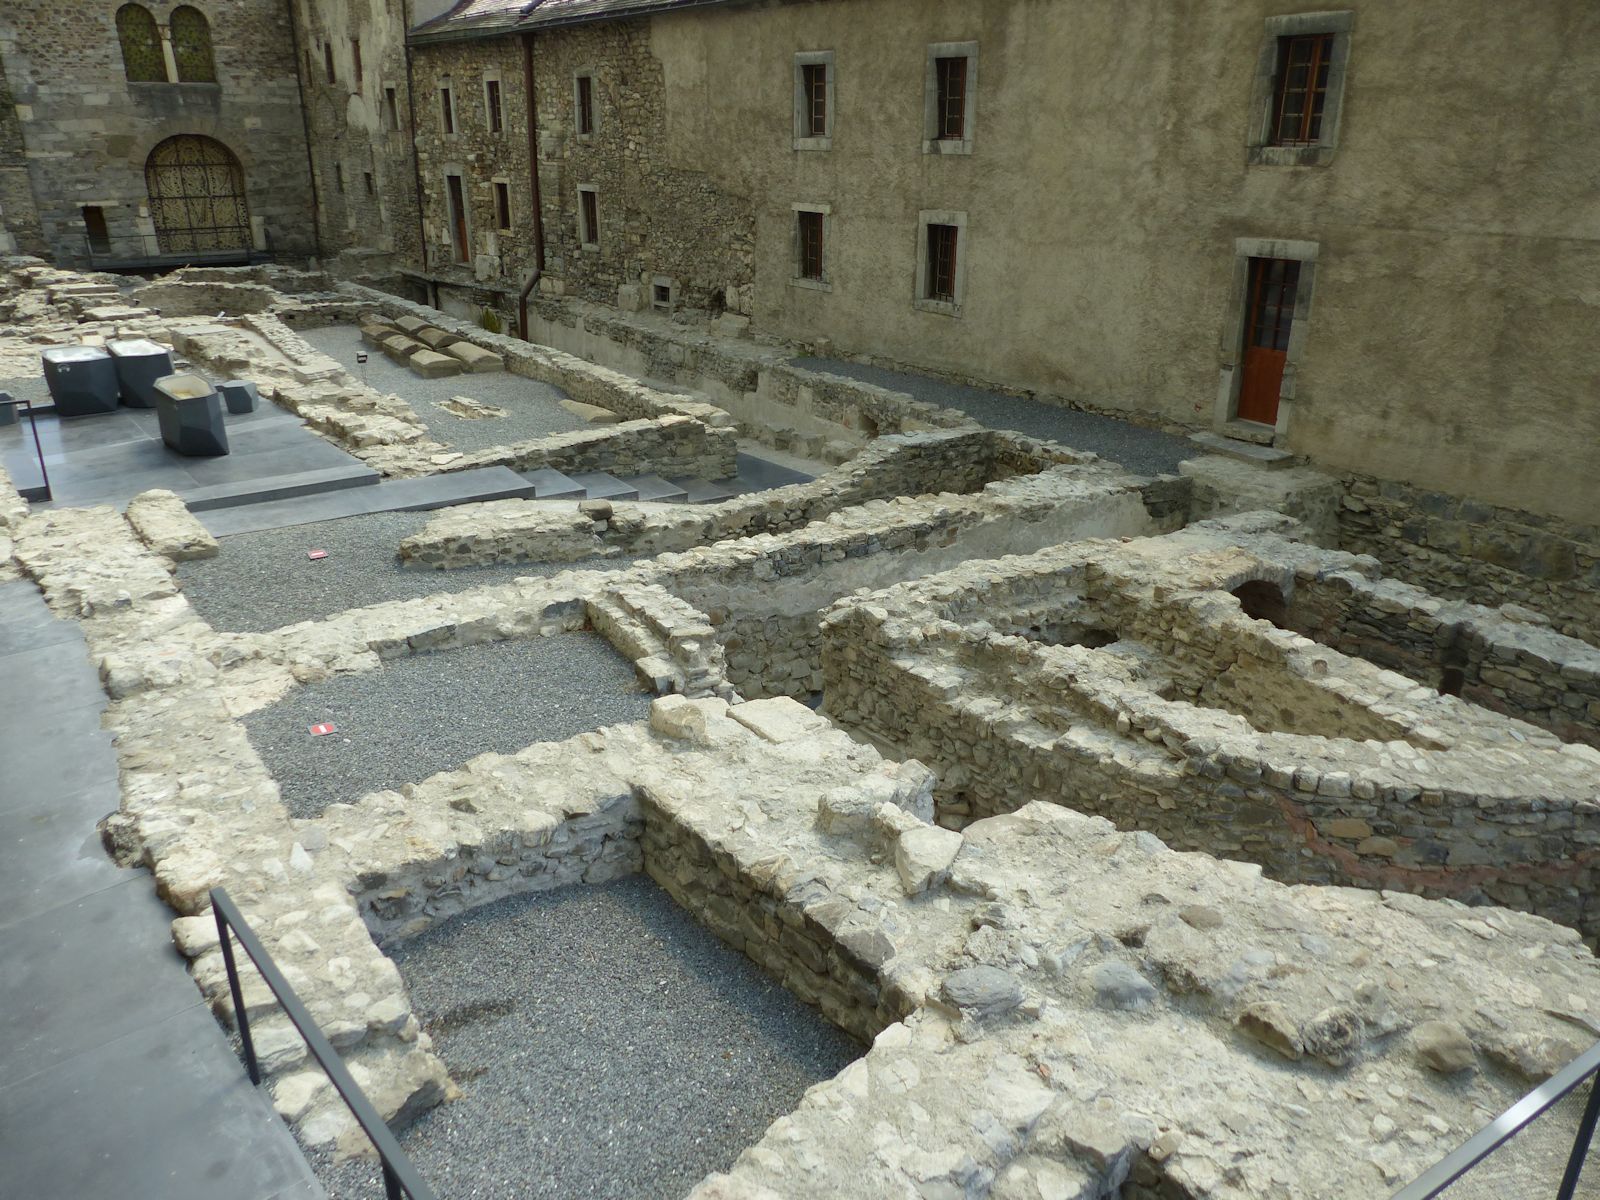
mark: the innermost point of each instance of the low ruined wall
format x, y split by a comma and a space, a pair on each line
668, 446
955, 462
739, 900
1474, 551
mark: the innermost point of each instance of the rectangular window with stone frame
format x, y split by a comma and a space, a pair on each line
583, 104
949, 91
814, 109
502, 205
494, 111
588, 217
447, 108
1298, 94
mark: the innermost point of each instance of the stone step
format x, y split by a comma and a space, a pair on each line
703, 491
550, 484
1262, 456
282, 487
656, 489
598, 485
395, 495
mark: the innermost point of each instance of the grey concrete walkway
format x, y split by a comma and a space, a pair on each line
1145, 451
115, 1080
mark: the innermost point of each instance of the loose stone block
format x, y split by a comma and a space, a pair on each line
432, 365
476, 359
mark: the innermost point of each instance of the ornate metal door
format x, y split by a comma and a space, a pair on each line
197, 198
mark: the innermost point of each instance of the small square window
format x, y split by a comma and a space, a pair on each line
491, 101
502, 205
588, 217
584, 105
447, 110
813, 100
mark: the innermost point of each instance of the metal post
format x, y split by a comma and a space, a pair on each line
33, 424
238, 997
1580, 1147
391, 1182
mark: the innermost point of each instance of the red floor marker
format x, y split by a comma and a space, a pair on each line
315, 555
324, 727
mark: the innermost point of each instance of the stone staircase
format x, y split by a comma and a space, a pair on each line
550, 484
672, 647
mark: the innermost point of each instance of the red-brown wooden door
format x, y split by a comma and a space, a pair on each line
1273, 283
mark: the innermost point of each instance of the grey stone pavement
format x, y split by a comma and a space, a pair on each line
115, 1079
608, 1047
1144, 451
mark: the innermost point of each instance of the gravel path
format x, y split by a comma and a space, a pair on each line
609, 1046
1145, 451
427, 713
264, 581
532, 409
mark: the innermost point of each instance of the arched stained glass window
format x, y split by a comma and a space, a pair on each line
197, 196
191, 46
141, 45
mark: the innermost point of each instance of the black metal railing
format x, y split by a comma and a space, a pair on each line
42, 491
1537, 1148
399, 1176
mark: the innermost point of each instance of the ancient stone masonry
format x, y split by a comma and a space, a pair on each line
1124, 680
1474, 551
19, 216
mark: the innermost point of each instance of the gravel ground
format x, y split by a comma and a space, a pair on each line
609, 1047
1145, 451
264, 581
532, 409
426, 713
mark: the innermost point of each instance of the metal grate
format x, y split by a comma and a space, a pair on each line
141, 45
197, 198
952, 74
191, 46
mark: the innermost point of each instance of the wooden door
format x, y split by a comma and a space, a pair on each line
1273, 283
458, 217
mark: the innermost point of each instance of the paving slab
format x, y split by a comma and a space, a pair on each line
396, 495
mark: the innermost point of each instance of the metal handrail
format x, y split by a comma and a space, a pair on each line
31, 494
399, 1176
1511, 1122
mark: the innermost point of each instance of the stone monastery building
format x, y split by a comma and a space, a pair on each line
902, 599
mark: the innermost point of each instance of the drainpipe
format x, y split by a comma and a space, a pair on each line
305, 122
416, 165
533, 180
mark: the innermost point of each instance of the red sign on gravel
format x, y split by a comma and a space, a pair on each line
321, 728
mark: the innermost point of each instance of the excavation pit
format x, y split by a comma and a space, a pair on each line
607, 1045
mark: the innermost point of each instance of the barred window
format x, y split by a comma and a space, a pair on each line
952, 114
941, 262
191, 46
491, 101
585, 104
142, 59
814, 86
810, 235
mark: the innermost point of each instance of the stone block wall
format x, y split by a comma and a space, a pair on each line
668, 446
19, 216
1470, 550
89, 131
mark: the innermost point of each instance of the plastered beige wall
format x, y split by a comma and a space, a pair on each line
1452, 338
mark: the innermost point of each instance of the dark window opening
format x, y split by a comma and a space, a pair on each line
338, 178
502, 205
1263, 601
585, 104
458, 217
94, 224
810, 230
191, 46
367, 178
1453, 666
142, 60
952, 73
355, 62
491, 90
447, 110
1301, 89
590, 229
814, 93
391, 108
327, 61
663, 295
1274, 283
941, 262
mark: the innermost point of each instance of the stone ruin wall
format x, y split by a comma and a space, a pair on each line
1463, 548
988, 716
